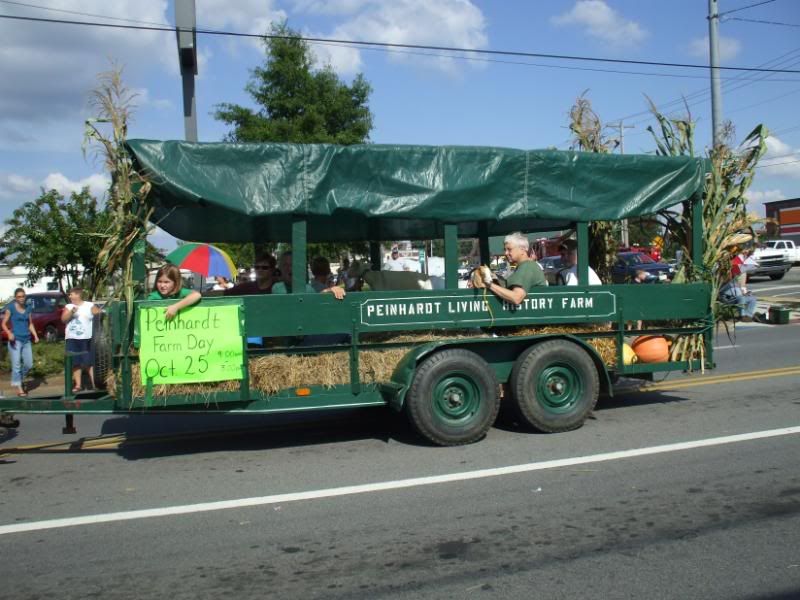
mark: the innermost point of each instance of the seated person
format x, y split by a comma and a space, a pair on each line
525, 277
569, 255
284, 286
265, 278
321, 273
731, 293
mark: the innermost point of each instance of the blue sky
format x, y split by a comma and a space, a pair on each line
47, 71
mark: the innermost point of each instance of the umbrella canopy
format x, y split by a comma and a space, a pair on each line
205, 259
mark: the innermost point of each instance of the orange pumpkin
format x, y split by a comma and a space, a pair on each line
651, 348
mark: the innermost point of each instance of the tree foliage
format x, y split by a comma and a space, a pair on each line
54, 236
297, 103
589, 136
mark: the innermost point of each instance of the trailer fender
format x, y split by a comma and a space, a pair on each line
404, 373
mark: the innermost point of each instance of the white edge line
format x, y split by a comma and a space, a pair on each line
388, 485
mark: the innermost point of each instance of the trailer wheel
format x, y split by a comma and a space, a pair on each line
554, 386
454, 398
101, 343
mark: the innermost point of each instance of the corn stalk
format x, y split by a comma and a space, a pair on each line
725, 215
588, 136
112, 103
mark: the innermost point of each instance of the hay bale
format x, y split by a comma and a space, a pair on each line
275, 372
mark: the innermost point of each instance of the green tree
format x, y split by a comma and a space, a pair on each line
54, 236
297, 103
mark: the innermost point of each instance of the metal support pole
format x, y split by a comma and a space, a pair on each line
624, 234
583, 252
483, 242
716, 88
451, 257
185, 30
299, 262
375, 256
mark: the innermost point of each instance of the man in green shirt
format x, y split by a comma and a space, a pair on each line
527, 275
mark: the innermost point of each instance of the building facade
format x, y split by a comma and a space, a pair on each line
785, 219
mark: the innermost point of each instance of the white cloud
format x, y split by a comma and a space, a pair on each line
14, 186
329, 7
47, 70
20, 184
245, 16
143, 99
456, 23
786, 160
756, 199
598, 20
729, 48
97, 184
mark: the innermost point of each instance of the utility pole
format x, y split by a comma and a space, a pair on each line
185, 28
625, 238
716, 89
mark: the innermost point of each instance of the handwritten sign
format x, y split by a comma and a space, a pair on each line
202, 343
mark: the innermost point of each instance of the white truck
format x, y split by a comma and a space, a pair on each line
788, 248
775, 258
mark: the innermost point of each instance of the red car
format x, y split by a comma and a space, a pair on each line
46, 315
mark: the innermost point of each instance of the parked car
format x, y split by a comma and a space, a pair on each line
627, 263
46, 315
551, 265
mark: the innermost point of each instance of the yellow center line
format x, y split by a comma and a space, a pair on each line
114, 441
732, 378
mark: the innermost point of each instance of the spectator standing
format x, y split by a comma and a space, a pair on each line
79, 316
395, 263
222, 284
22, 332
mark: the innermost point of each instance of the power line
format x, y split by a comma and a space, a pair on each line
396, 45
762, 22
703, 93
739, 77
788, 162
84, 14
728, 12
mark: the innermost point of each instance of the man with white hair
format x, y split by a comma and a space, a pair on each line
526, 276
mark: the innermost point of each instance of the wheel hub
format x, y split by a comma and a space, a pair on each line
453, 398
559, 387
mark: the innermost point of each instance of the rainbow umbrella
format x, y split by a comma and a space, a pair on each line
205, 259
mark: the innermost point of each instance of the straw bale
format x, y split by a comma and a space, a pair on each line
271, 373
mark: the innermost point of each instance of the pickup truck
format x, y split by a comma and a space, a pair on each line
788, 248
774, 259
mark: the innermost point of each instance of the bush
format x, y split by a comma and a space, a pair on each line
48, 359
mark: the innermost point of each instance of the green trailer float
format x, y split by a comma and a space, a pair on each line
445, 357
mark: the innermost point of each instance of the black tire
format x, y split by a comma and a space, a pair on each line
554, 386
101, 345
777, 276
454, 398
50, 333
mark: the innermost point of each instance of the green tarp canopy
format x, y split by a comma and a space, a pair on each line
221, 192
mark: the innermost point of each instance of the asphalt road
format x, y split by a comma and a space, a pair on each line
717, 519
